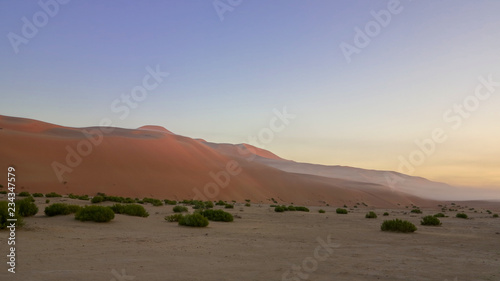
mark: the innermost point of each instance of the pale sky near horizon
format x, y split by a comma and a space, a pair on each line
229, 72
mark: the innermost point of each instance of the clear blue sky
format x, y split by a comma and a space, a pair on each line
226, 76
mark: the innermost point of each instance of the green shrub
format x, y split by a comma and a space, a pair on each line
188, 202
229, 206
248, 205
321, 211
195, 220
430, 220
416, 211
495, 215
220, 203
47, 201
217, 215
274, 206
154, 202
23, 194
95, 213
279, 209
3, 192
180, 209
371, 215
301, 209
386, 214
26, 207
53, 194
60, 209
398, 225
97, 199
290, 208
80, 197
439, 215
203, 205
130, 209
5, 215
341, 211
173, 218
462, 215
37, 194
247, 200
170, 202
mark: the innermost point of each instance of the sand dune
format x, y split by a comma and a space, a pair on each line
151, 161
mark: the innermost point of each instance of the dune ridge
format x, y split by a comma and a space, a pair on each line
152, 161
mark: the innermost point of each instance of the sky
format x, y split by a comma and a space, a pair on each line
407, 86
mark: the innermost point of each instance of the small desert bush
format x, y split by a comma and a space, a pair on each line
371, 215
173, 218
341, 211
23, 194
130, 209
416, 211
217, 215
386, 214
152, 201
439, 215
462, 215
5, 214
321, 211
97, 199
195, 220
495, 215
53, 194
430, 220
290, 208
248, 205
398, 225
37, 194
209, 204
47, 201
26, 207
180, 209
95, 213
301, 209
279, 209
79, 197
220, 203
60, 209
229, 206
170, 202
198, 205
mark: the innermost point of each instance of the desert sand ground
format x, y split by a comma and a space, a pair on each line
261, 245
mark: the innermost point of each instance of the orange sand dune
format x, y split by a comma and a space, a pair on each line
153, 162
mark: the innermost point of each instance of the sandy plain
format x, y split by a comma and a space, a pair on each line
259, 245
